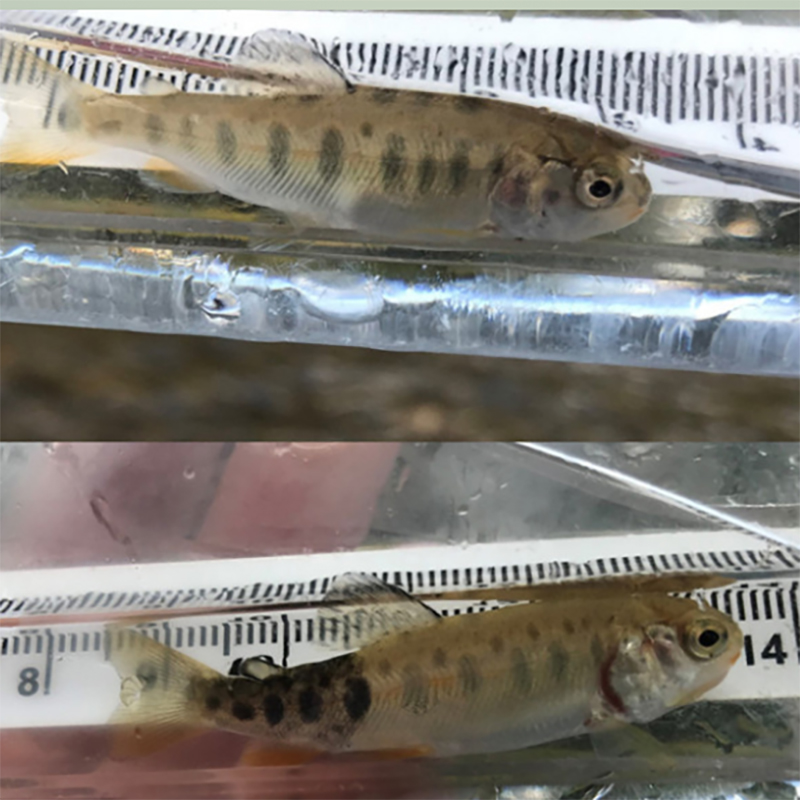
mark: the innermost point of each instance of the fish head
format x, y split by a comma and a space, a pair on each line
667, 663
549, 199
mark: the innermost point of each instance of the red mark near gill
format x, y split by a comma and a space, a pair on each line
609, 693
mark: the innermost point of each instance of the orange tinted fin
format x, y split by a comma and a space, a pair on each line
261, 755
136, 741
162, 176
398, 754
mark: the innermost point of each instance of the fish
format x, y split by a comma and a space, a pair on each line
332, 154
421, 683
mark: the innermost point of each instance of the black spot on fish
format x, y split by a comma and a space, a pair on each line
385, 667
532, 631
521, 671
310, 98
147, 674
551, 196
357, 698
366, 130
496, 643
330, 156
279, 149
324, 680
393, 163
154, 128
213, 702
459, 170
243, 711
469, 104
187, 133
426, 174
110, 126
383, 96
468, 675
598, 651
226, 142
310, 704
273, 709
439, 657
569, 628
559, 659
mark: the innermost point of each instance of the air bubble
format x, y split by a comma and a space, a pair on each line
221, 306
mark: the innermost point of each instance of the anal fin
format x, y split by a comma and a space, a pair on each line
261, 755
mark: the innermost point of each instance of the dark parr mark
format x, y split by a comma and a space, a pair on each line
357, 698
226, 142
532, 631
468, 675
330, 156
279, 147
310, 704
426, 174
521, 671
243, 711
187, 133
559, 659
154, 128
393, 163
496, 643
459, 170
310, 98
273, 709
366, 130
415, 690
569, 628
110, 126
586, 623
213, 702
383, 96
439, 657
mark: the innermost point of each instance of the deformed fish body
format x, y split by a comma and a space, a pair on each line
329, 154
521, 675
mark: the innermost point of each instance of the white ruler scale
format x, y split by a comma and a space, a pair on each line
726, 89
54, 644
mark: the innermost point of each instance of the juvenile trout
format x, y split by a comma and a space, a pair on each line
332, 155
505, 679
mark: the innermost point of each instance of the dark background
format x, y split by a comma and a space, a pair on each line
69, 383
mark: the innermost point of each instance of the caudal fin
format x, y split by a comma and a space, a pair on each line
156, 694
40, 109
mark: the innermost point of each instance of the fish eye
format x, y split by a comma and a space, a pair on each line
599, 186
706, 639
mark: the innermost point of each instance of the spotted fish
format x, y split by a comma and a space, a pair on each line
521, 675
330, 154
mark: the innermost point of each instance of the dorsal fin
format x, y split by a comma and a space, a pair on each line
290, 64
366, 609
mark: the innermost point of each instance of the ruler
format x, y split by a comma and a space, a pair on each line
54, 668
728, 89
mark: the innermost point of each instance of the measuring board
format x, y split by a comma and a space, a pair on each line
53, 654
726, 89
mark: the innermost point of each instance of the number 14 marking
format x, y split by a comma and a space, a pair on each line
773, 651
